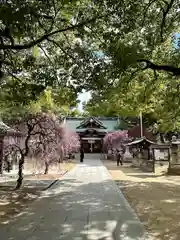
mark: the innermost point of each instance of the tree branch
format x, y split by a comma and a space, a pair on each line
166, 68
58, 45
165, 13
146, 10
47, 56
44, 37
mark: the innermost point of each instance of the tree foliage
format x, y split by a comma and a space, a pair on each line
40, 40
126, 32
154, 94
57, 44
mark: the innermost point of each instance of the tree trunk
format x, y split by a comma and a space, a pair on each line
60, 159
1, 166
59, 165
46, 168
8, 166
1, 156
20, 172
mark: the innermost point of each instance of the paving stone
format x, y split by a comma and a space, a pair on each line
85, 205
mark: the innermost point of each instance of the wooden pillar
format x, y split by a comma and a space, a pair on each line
91, 148
154, 161
169, 159
1, 153
102, 150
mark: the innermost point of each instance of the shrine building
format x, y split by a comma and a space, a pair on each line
92, 130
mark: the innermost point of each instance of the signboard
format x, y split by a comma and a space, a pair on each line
91, 141
92, 138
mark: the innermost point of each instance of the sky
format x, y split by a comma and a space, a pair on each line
85, 96
177, 37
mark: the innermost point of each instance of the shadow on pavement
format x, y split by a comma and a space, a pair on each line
75, 210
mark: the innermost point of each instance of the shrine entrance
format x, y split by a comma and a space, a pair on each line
91, 132
92, 145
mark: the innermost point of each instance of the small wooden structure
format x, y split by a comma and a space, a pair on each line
165, 150
142, 146
145, 155
5, 131
142, 157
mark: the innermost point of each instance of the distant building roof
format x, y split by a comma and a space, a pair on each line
3, 126
109, 123
135, 132
140, 141
6, 130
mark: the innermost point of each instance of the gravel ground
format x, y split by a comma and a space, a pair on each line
154, 197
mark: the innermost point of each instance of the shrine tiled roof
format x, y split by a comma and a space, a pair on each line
90, 120
73, 123
109, 123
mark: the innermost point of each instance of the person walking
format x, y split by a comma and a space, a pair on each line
119, 157
81, 154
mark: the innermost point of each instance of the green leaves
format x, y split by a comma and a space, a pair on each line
124, 31
35, 51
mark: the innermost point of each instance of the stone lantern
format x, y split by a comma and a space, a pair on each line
5, 131
175, 150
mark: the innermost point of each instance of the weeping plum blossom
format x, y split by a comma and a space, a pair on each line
70, 140
44, 138
41, 135
114, 139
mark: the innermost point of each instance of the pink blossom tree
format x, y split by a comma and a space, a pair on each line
114, 139
41, 134
45, 144
52, 149
70, 140
44, 138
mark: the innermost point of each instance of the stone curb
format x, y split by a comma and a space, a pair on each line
13, 179
147, 236
54, 182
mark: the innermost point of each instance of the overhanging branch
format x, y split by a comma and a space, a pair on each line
44, 37
165, 13
166, 68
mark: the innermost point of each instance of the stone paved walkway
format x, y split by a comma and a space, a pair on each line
85, 204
